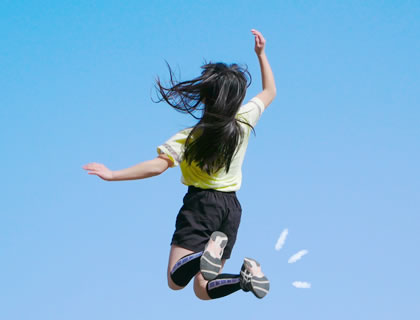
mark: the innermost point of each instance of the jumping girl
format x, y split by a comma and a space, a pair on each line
210, 156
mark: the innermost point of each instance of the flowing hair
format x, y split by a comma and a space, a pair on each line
218, 93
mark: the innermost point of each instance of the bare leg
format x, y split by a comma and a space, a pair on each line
200, 285
176, 253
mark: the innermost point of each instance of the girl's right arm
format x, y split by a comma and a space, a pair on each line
268, 84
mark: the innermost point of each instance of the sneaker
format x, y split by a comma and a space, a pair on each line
211, 260
252, 278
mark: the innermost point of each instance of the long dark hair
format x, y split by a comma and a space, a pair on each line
218, 92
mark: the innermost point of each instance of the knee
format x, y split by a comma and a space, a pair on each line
200, 290
172, 285
201, 294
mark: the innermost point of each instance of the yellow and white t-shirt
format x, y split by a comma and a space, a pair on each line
192, 175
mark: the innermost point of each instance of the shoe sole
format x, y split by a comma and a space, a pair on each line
260, 286
209, 266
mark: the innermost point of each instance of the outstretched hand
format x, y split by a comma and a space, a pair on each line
99, 170
259, 42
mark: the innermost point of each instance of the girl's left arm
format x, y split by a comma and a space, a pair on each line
141, 170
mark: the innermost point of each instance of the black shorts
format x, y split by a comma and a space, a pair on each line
205, 211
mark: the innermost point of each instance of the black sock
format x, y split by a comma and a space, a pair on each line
185, 269
223, 285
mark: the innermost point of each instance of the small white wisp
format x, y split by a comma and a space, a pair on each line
282, 239
297, 256
301, 285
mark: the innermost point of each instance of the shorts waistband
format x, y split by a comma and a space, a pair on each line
192, 189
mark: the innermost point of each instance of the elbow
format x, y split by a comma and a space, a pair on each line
273, 92
273, 89
157, 170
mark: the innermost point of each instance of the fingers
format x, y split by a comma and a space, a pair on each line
255, 32
259, 39
87, 166
257, 42
92, 171
98, 169
93, 166
95, 173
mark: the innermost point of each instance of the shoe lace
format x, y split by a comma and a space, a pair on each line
245, 279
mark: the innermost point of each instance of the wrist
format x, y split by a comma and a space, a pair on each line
261, 54
112, 176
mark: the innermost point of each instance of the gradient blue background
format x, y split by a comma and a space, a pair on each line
335, 160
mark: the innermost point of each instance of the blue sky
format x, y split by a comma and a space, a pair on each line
335, 159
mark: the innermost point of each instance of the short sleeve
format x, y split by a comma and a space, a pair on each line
252, 111
174, 147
